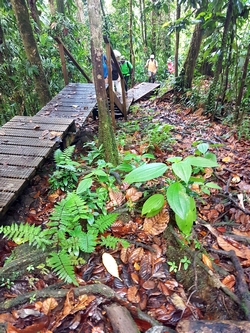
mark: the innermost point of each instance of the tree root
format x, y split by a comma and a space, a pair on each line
52, 291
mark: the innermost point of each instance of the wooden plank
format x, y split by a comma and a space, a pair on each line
25, 150
31, 142
143, 89
16, 172
42, 120
5, 198
30, 161
10, 184
30, 134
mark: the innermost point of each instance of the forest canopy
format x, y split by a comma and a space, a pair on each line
208, 43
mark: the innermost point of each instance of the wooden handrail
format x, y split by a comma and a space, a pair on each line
61, 45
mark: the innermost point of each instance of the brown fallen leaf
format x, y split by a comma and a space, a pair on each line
133, 194
157, 224
207, 261
228, 244
133, 295
229, 281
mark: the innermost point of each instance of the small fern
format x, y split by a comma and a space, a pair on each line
22, 233
60, 262
112, 242
64, 157
103, 222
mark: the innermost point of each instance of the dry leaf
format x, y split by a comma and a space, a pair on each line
178, 302
157, 224
133, 194
48, 305
133, 295
229, 281
226, 159
136, 255
116, 198
207, 261
110, 265
228, 244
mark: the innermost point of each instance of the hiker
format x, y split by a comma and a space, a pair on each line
152, 66
105, 68
116, 80
170, 67
126, 69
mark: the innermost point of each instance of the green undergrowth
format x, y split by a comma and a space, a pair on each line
80, 221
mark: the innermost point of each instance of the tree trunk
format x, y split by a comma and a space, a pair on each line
239, 118
132, 55
211, 96
60, 6
31, 50
193, 52
177, 40
106, 133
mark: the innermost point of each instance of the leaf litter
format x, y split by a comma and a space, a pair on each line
140, 275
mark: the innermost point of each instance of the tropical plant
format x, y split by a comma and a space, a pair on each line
67, 235
66, 174
178, 193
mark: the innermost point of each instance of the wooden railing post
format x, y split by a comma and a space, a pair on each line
64, 69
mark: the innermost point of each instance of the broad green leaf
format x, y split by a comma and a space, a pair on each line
99, 172
198, 180
174, 159
84, 185
178, 199
183, 170
200, 162
124, 167
148, 156
211, 156
203, 147
213, 185
153, 205
185, 225
146, 172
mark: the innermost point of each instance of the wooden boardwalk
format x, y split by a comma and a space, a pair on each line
25, 142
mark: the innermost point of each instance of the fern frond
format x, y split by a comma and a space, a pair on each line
68, 212
60, 262
87, 242
111, 242
103, 222
67, 153
22, 233
58, 156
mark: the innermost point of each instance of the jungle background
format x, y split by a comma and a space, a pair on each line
200, 111
204, 39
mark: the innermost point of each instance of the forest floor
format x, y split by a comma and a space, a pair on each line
165, 279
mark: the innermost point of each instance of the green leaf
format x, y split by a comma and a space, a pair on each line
213, 185
148, 156
200, 162
146, 172
153, 205
174, 159
203, 147
185, 225
84, 185
99, 172
178, 199
124, 167
199, 180
211, 156
183, 170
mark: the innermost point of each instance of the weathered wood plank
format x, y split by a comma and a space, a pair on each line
30, 161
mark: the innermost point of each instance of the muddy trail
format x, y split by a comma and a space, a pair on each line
167, 282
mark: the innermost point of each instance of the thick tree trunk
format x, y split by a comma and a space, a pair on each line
31, 50
193, 52
177, 40
132, 55
106, 133
211, 96
239, 118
